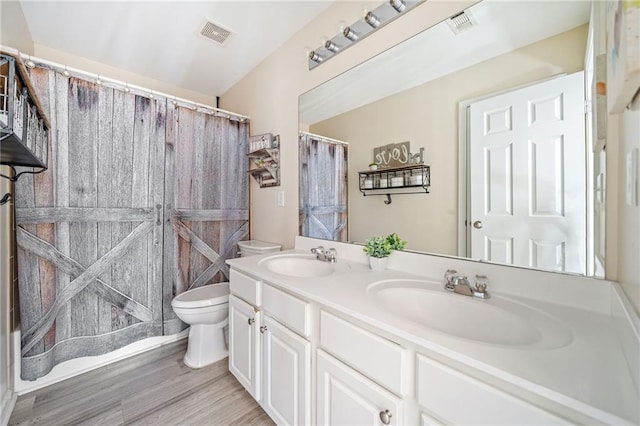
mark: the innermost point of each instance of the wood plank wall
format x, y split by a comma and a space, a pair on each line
142, 200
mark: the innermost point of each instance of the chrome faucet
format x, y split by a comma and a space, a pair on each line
328, 255
460, 284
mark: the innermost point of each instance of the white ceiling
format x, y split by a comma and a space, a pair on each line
501, 26
160, 39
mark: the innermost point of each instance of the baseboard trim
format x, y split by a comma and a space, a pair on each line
78, 366
6, 407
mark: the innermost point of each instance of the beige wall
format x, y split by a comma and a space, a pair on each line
90, 66
427, 116
269, 95
14, 33
13, 27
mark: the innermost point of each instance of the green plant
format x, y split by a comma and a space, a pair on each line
380, 246
396, 242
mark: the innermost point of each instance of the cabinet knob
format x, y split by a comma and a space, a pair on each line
251, 321
263, 328
385, 417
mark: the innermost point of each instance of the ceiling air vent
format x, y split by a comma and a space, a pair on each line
214, 32
460, 22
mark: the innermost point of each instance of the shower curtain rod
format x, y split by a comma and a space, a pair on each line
323, 138
118, 84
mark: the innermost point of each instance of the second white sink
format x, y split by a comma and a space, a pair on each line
497, 321
299, 265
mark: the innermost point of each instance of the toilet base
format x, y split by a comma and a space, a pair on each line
206, 345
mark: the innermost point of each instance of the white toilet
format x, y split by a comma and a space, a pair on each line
206, 310
255, 247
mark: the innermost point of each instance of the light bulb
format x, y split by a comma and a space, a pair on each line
372, 19
348, 33
398, 5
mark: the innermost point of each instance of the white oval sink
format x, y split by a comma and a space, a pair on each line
498, 321
299, 265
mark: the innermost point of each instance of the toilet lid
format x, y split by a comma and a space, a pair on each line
208, 295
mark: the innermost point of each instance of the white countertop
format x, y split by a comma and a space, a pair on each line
590, 374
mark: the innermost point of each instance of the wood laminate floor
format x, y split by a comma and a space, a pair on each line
153, 388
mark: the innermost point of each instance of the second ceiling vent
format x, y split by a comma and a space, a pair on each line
214, 32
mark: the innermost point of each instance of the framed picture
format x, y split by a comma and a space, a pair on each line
623, 53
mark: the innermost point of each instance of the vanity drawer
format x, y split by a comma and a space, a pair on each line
444, 392
289, 310
245, 287
382, 360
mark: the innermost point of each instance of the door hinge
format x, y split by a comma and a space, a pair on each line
588, 107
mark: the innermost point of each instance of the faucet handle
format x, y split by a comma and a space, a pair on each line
332, 255
450, 275
317, 250
481, 282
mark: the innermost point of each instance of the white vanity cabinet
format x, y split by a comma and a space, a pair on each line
346, 397
244, 331
266, 354
362, 383
244, 347
360, 374
460, 399
286, 374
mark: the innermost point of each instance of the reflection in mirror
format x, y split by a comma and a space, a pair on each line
322, 166
441, 88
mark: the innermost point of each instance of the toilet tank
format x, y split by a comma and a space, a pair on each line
254, 247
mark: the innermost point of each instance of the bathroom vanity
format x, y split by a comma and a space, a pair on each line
337, 343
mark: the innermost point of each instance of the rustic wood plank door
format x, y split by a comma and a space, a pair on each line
207, 200
323, 188
90, 230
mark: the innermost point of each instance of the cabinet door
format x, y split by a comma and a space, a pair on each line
345, 397
286, 374
244, 348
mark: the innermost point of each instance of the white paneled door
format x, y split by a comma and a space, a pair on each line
527, 173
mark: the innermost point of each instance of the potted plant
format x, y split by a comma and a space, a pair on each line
379, 249
373, 166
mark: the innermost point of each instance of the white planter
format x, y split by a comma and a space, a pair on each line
378, 263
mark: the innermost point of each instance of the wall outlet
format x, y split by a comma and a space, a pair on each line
280, 198
632, 177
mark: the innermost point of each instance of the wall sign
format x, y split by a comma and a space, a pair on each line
265, 141
392, 155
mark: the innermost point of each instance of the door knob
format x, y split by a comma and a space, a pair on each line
477, 224
385, 417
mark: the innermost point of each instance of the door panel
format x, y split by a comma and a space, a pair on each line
345, 397
286, 359
527, 172
244, 348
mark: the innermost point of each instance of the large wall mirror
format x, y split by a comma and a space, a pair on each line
496, 97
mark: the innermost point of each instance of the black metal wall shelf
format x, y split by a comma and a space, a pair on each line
411, 179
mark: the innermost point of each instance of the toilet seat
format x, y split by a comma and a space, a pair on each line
208, 295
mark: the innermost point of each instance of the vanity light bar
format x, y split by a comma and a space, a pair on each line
370, 22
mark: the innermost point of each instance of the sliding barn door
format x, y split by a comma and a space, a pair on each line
90, 229
207, 199
323, 188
